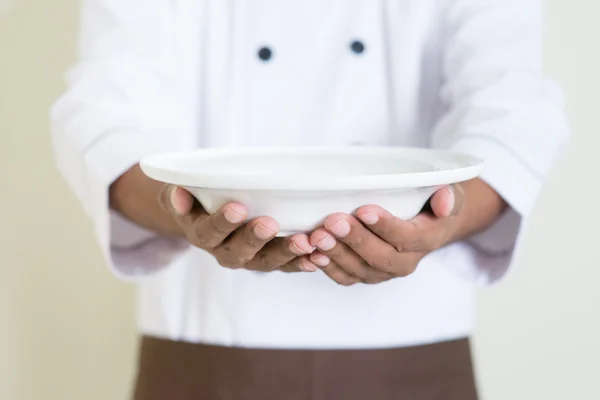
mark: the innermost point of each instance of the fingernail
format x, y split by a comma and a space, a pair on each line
263, 233
340, 229
308, 266
173, 198
233, 216
369, 218
301, 246
327, 243
452, 201
321, 260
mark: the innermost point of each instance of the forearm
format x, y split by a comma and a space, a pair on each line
135, 196
481, 209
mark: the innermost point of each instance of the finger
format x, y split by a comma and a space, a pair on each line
373, 249
342, 255
244, 243
210, 231
299, 264
181, 206
406, 265
320, 259
448, 201
416, 235
176, 200
279, 252
339, 275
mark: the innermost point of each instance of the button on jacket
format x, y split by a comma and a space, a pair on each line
171, 75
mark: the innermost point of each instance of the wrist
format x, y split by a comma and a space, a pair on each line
135, 197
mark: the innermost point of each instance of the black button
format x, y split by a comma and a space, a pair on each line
357, 46
265, 53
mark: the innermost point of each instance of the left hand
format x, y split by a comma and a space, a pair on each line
378, 247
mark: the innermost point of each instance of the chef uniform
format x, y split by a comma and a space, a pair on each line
171, 75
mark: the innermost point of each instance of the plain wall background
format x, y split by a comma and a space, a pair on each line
67, 326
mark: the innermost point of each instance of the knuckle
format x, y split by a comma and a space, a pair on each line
216, 227
358, 275
410, 244
290, 267
363, 273
286, 269
267, 263
416, 243
366, 272
383, 231
202, 242
295, 265
385, 264
251, 242
339, 251
202, 238
413, 244
369, 278
228, 259
356, 241
242, 259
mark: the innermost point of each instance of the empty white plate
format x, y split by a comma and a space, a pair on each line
299, 187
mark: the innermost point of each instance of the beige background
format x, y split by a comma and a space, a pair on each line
66, 325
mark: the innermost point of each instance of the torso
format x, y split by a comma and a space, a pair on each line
317, 88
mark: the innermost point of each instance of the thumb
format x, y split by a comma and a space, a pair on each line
176, 200
448, 201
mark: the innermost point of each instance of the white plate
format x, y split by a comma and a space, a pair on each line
299, 187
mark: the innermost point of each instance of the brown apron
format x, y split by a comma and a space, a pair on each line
183, 371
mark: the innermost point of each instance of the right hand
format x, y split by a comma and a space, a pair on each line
233, 241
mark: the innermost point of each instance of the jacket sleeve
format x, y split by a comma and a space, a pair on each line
120, 104
501, 108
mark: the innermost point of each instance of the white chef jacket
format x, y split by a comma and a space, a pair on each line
170, 75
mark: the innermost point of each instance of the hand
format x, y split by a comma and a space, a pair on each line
226, 235
234, 242
381, 247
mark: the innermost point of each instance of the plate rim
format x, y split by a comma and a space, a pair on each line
468, 167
